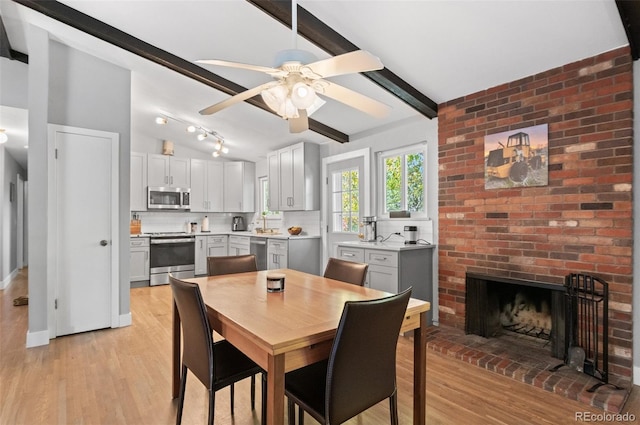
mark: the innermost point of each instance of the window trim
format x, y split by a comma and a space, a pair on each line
261, 204
381, 155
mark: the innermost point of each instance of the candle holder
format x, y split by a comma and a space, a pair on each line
275, 282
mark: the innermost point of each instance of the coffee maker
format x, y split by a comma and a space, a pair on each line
369, 232
237, 224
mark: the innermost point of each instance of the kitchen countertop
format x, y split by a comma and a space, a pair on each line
247, 233
386, 246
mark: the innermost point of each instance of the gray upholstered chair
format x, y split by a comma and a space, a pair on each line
216, 364
361, 369
346, 271
231, 264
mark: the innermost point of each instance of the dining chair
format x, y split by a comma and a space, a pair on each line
216, 364
346, 271
231, 264
361, 368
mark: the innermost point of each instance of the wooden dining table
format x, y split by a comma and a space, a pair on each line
284, 331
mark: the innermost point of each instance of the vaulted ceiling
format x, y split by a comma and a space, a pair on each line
433, 51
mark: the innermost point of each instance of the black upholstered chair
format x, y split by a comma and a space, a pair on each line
346, 271
215, 364
231, 264
361, 369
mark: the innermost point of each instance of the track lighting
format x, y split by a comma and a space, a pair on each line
3, 136
203, 133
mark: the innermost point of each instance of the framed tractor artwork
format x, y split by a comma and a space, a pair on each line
517, 158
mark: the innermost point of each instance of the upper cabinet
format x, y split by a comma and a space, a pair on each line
207, 178
169, 171
294, 178
239, 186
138, 181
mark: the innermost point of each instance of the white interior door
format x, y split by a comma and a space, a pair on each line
346, 201
86, 284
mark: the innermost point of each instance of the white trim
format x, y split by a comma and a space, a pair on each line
366, 154
636, 375
125, 320
36, 339
7, 281
52, 229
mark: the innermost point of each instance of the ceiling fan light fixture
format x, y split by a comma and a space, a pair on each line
3, 136
317, 104
302, 95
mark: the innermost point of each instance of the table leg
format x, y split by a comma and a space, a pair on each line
175, 364
275, 390
420, 371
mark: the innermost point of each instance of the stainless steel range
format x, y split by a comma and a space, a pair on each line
171, 252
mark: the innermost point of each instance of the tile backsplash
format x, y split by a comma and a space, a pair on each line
388, 227
176, 221
308, 220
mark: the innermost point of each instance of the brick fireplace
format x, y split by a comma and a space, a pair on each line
581, 222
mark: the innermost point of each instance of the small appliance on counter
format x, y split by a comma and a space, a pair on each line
237, 225
411, 235
369, 232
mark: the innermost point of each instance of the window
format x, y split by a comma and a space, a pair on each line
402, 180
263, 186
346, 200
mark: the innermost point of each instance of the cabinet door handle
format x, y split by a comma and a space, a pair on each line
166, 179
347, 254
171, 179
380, 258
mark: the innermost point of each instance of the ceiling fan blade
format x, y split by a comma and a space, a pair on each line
238, 98
354, 99
265, 69
348, 63
300, 124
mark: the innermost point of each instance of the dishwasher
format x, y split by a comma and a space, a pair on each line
258, 246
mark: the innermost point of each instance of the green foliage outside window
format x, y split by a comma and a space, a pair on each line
404, 182
346, 214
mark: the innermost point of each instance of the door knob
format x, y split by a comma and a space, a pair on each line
104, 242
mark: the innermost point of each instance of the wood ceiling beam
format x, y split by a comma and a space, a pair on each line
630, 16
112, 35
326, 38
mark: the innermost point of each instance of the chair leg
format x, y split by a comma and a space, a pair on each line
253, 392
212, 406
393, 408
232, 398
291, 412
300, 416
263, 420
183, 385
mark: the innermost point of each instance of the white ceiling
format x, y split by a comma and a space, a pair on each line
445, 49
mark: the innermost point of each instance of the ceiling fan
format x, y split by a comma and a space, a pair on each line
298, 79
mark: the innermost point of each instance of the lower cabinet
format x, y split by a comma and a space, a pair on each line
296, 254
139, 259
209, 246
395, 270
239, 245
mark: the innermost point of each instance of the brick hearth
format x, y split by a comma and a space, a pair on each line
526, 361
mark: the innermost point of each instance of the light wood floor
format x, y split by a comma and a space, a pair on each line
121, 376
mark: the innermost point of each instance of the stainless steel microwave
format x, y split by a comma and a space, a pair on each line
168, 198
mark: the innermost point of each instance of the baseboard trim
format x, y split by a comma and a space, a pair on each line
125, 320
36, 339
7, 281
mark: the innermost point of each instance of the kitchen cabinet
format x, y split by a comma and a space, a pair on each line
208, 246
239, 186
239, 245
206, 186
139, 259
138, 182
168, 171
294, 178
394, 269
297, 254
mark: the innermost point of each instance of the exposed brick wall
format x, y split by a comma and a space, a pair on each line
580, 222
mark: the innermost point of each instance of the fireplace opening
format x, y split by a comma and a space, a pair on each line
499, 306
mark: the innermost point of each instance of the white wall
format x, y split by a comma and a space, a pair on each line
13, 83
69, 87
411, 132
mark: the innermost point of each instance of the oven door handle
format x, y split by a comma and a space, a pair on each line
168, 241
